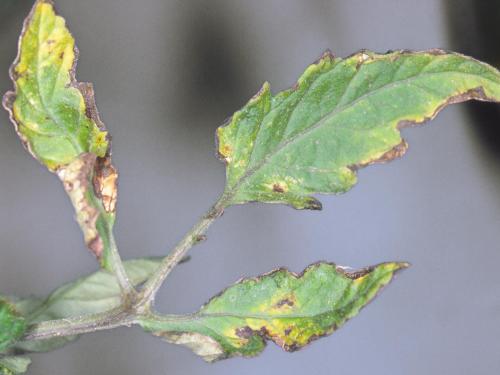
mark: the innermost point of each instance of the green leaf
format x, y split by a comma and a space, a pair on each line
291, 310
14, 365
48, 107
57, 120
12, 325
342, 114
92, 294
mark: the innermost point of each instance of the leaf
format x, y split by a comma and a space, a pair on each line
12, 325
92, 294
342, 115
48, 108
57, 120
288, 309
14, 365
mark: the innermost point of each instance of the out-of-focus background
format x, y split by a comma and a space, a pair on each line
167, 73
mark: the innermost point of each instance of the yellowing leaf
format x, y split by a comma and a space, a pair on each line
48, 107
288, 309
57, 120
343, 114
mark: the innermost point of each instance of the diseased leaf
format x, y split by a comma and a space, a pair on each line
342, 114
89, 295
57, 120
48, 108
14, 365
12, 325
90, 214
288, 309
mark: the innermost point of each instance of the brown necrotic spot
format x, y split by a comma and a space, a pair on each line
76, 180
314, 204
353, 275
244, 332
106, 184
277, 188
285, 302
200, 238
394, 153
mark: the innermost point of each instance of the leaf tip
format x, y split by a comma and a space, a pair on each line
403, 265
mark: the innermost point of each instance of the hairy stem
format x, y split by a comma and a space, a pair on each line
111, 319
195, 235
78, 325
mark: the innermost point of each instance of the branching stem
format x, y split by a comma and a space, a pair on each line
135, 308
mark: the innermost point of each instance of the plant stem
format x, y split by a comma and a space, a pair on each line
128, 291
132, 310
112, 260
115, 318
195, 235
78, 325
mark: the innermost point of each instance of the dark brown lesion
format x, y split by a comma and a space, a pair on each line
200, 238
105, 174
277, 188
244, 332
313, 204
396, 152
105, 183
76, 179
285, 302
353, 275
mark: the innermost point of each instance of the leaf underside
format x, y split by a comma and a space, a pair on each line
288, 309
92, 294
57, 121
342, 114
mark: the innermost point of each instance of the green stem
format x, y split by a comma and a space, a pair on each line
116, 264
135, 309
112, 260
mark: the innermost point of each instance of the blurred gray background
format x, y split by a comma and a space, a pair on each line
167, 73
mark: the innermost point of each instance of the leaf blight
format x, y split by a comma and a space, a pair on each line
289, 309
343, 114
